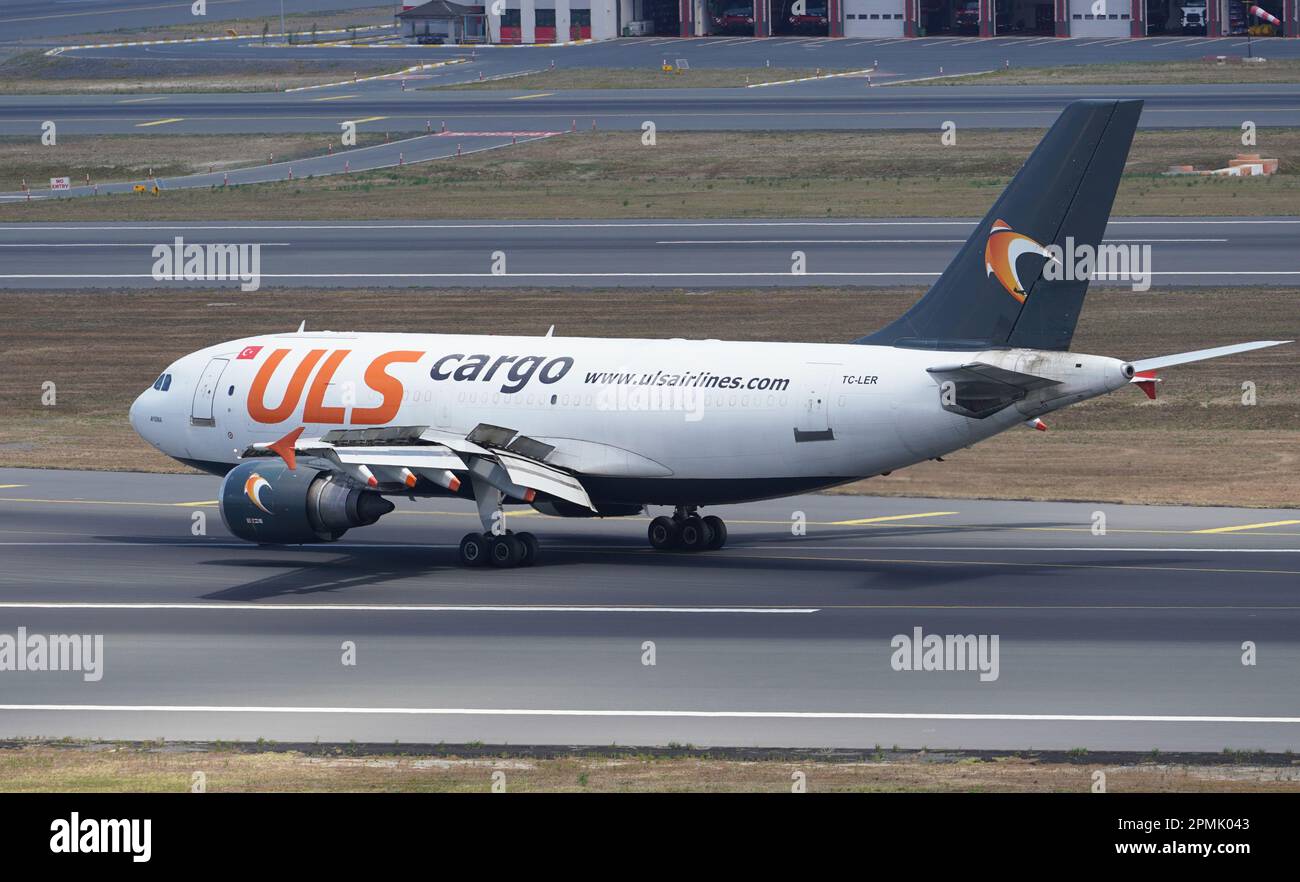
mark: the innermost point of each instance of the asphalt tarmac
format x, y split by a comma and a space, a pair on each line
1132, 640
603, 253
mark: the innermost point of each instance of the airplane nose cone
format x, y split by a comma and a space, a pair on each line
136, 416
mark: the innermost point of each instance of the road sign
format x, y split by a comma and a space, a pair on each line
60, 183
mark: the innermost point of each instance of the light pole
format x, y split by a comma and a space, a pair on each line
283, 30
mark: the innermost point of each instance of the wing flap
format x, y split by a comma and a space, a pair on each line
547, 479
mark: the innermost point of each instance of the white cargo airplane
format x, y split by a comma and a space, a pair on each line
581, 427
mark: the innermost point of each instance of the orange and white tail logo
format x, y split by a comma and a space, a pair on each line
253, 489
1001, 251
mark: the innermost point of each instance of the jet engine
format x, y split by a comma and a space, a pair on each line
265, 501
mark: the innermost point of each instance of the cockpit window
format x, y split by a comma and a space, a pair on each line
163, 383
157, 384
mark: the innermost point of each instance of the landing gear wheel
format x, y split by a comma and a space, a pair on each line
696, 534
664, 533
505, 551
473, 550
719, 528
531, 548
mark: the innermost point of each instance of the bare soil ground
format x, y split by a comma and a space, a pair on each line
1274, 70
34, 73
695, 174
109, 768
1196, 444
109, 158
297, 22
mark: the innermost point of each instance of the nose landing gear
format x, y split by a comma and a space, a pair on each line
687, 530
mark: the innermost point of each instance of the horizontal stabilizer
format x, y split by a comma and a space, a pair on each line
1164, 361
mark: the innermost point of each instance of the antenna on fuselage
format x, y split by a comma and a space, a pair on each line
302, 327
550, 331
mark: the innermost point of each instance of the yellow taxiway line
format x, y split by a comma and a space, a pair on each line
1248, 527
902, 517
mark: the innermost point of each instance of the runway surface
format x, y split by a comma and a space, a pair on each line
1132, 640
894, 59
778, 109
602, 253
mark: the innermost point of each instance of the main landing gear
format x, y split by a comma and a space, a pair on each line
496, 545
510, 549
688, 531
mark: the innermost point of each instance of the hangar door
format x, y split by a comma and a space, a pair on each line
873, 18
1100, 18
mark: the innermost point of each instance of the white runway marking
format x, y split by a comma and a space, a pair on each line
380, 607
553, 712
550, 225
626, 275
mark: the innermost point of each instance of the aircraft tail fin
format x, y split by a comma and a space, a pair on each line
994, 293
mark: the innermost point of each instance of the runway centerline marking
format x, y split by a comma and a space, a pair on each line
382, 607
719, 714
901, 517
1249, 527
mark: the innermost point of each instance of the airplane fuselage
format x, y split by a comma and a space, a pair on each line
643, 421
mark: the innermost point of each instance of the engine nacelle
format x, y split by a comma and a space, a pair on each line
266, 501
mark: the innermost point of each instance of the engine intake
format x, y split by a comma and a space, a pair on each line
267, 502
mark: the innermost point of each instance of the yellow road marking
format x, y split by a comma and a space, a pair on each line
104, 502
1249, 527
526, 97
334, 98
11, 486
866, 522
367, 119
160, 122
142, 100
927, 514
1008, 563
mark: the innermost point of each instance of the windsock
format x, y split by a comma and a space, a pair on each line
1260, 13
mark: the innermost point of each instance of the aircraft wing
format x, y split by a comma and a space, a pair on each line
395, 457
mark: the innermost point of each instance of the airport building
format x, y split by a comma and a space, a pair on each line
558, 21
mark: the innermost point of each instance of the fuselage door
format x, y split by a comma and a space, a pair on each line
815, 414
205, 392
